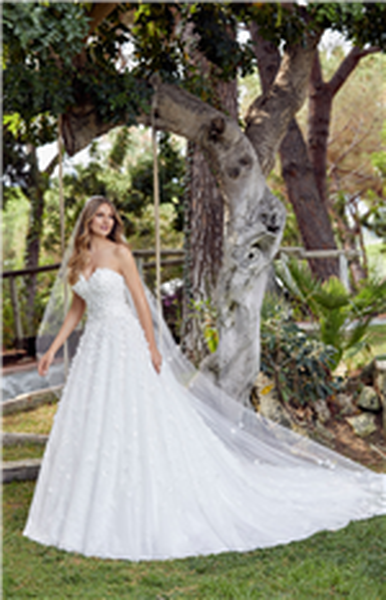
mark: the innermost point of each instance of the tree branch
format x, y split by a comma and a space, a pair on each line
319, 115
51, 166
269, 115
268, 57
80, 126
347, 66
99, 12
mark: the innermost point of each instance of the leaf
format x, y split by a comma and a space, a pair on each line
266, 389
332, 294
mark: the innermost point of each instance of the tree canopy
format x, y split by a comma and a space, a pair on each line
63, 55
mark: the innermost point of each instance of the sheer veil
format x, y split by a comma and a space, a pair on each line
253, 438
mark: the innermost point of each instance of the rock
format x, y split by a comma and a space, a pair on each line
15, 439
380, 365
363, 424
368, 399
323, 432
322, 411
381, 387
30, 400
21, 470
381, 383
269, 405
345, 404
368, 373
263, 384
271, 408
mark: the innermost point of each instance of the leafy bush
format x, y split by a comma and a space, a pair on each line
343, 318
299, 364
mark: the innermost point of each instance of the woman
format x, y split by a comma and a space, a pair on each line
99, 244
139, 466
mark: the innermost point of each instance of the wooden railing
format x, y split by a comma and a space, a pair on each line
139, 255
143, 265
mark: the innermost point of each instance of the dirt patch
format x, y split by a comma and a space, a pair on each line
370, 452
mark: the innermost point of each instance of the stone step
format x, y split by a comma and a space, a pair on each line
15, 439
21, 470
30, 400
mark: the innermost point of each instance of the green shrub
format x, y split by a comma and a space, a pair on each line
299, 364
342, 318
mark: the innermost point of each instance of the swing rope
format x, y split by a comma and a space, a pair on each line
156, 214
62, 233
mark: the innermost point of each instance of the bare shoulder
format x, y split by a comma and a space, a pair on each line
124, 256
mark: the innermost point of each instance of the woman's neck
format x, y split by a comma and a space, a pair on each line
99, 242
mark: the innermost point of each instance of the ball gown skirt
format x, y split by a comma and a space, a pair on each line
133, 470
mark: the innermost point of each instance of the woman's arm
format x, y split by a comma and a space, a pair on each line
133, 281
72, 319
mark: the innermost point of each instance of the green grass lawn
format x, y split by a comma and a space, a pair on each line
349, 564
20, 451
38, 420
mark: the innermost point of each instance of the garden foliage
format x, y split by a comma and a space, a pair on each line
299, 364
342, 319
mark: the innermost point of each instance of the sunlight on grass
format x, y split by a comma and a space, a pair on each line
350, 563
21, 451
33, 421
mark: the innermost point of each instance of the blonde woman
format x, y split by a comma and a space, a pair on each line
139, 466
99, 244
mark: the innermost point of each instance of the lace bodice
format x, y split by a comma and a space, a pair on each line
104, 293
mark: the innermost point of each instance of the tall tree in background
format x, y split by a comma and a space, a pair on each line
22, 169
304, 163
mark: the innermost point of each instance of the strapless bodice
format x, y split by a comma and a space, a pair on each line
104, 292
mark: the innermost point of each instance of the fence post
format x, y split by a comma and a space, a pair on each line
16, 313
343, 270
139, 261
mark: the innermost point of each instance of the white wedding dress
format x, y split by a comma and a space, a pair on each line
138, 467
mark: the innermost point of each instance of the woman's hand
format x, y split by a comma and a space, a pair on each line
156, 358
45, 362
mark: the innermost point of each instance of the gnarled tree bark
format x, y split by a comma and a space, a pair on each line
205, 225
253, 231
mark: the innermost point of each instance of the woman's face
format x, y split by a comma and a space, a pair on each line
103, 221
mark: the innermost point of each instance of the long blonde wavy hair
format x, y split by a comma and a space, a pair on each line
82, 243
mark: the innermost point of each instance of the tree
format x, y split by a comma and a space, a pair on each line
204, 214
304, 164
22, 169
356, 189
105, 95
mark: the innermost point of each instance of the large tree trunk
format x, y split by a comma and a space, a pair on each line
268, 116
253, 233
204, 227
311, 213
319, 116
